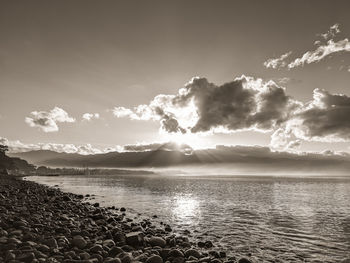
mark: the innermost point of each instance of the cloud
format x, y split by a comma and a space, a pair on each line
160, 109
324, 119
85, 149
47, 121
324, 48
245, 103
332, 32
248, 103
321, 52
277, 62
90, 116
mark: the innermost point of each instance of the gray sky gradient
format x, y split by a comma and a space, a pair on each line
92, 56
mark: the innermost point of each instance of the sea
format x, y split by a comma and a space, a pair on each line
269, 218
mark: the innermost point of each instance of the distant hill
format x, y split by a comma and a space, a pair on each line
159, 158
258, 158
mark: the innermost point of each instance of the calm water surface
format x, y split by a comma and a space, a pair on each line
276, 219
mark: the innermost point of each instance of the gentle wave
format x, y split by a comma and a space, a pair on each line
275, 220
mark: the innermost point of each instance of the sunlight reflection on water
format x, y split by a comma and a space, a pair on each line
186, 209
275, 219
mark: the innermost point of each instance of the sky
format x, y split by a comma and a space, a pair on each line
94, 76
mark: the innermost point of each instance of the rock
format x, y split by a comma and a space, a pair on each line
175, 253
208, 244
127, 248
125, 258
96, 248
26, 257
154, 259
13, 240
168, 228
114, 251
201, 244
66, 198
9, 256
119, 238
51, 242
123, 209
214, 254
112, 260
215, 260
164, 253
206, 259
178, 260
108, 243
157, 241
134, 238
43, 248
143, 257
192, 253
244, 260
222, 254
79, 242
84, 255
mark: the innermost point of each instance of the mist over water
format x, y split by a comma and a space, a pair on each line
277, 219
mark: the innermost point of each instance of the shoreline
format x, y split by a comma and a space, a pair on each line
39, 223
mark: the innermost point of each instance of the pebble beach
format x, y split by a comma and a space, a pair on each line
42, 224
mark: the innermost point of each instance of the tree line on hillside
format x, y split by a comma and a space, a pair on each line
13, 165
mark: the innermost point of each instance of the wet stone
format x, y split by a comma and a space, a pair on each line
157, 241
134, 238
154, 259
175, 253
192, 253
79, 242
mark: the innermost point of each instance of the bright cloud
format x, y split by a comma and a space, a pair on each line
332, 32
248, 103
321, 52
324, 48
243, 104
47, 120
90, 116
277, 62
18, 146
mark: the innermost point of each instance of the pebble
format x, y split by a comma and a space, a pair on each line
79, 242
175, 253
134, 238
244, 260
157, 241
154, 259
192, 253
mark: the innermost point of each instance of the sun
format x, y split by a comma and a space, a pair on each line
193, 140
